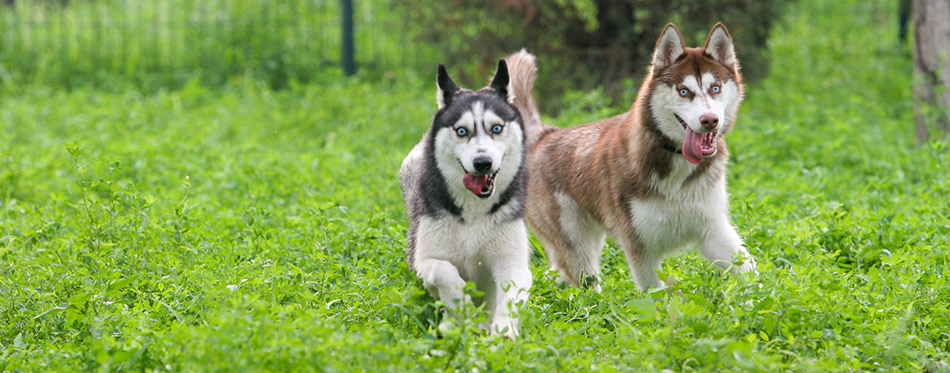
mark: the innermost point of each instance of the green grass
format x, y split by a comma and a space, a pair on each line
239, 228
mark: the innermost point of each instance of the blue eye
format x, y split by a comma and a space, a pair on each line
496, 128
461, 131
715, 89
684, 92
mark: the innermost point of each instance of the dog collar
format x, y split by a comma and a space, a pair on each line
669, 148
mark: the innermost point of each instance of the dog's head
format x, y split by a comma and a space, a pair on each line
695, 92
477, 136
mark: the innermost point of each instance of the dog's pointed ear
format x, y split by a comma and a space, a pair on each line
669, 47
719, 45
446, 88
501, 83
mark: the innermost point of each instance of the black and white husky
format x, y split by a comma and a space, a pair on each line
464, 190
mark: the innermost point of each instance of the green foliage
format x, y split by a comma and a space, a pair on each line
238, 228
163, 44
587, 43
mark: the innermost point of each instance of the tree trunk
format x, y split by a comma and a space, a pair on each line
931, 67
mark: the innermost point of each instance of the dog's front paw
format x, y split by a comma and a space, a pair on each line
748, 265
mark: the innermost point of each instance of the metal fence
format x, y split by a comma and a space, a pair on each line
168, 41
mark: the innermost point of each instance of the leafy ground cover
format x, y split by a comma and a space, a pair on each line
241, 228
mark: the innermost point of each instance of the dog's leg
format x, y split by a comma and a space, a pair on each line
722, 244
443, 282
582, 239
511, 292
572, 239
581, 263
542, 214
511, 280
553, 249
642, 264
576, 265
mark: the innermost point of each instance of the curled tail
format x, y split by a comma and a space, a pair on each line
522, 69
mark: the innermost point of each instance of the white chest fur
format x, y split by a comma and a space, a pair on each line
683, 212
473, 245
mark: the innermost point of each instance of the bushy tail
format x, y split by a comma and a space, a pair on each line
522, 70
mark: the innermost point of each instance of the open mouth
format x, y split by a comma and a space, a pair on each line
481, 185
697, 146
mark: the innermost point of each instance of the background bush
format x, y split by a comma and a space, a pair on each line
585, 43
150, 45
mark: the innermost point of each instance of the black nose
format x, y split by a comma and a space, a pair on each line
482, 164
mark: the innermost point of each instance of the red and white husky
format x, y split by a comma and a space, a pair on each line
653, 177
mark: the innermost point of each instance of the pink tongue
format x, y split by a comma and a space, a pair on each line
692, 146
475, 183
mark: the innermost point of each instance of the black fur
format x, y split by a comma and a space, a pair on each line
448, 87
434, 199
500, 81
515, 193
438, 200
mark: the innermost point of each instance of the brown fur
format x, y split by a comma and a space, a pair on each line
605, 164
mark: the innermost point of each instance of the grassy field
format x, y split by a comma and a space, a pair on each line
240, 228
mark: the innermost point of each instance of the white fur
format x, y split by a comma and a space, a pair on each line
726, 55
673, 214
668, 48
667, 101
696, 212
585, 234
504, 150
685, 215
478, 247
492, 254
439, 97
